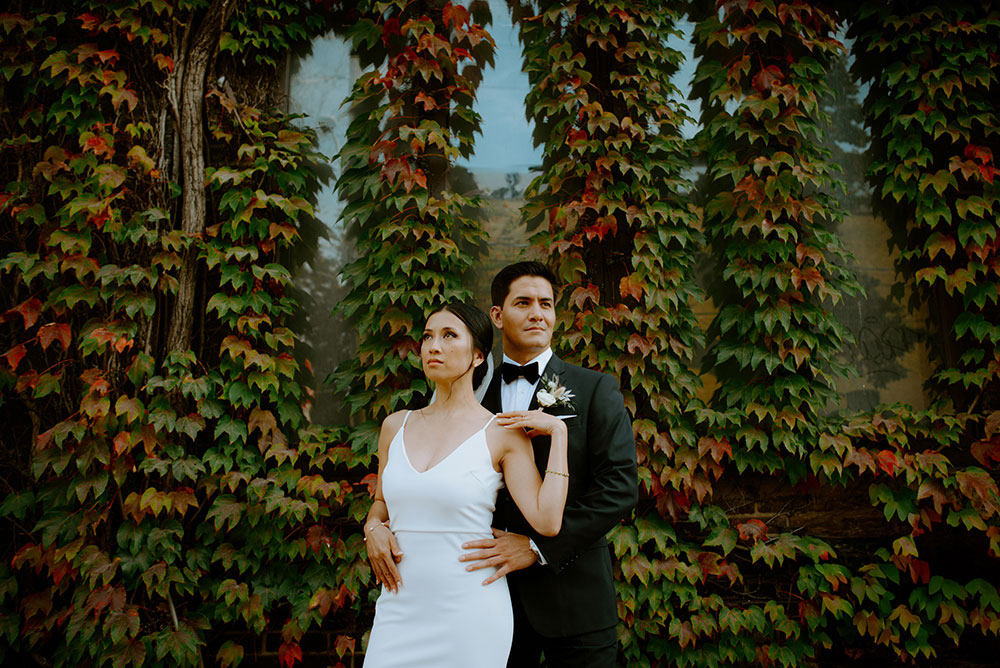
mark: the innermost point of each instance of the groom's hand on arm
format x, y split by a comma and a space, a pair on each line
506, 552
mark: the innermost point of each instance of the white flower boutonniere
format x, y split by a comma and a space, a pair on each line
552, 393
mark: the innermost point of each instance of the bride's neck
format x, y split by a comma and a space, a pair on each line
454, 397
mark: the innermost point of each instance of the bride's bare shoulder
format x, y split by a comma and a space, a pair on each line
393, 422
507, 438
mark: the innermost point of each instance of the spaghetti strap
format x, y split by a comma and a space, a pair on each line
488, 422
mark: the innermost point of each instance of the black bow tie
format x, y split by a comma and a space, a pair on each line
512, 372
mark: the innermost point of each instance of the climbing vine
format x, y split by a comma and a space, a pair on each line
611, 212
167, 501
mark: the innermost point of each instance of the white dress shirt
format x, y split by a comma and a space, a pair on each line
517, 396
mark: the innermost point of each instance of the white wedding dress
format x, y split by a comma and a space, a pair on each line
442, 615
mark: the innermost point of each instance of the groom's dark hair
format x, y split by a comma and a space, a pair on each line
501, 282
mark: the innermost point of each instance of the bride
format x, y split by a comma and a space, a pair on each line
439, 469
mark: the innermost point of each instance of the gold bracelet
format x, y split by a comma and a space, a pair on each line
565, 475
368, 529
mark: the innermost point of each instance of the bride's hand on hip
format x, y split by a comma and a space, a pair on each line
384, 554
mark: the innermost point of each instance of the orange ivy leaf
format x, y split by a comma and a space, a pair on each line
708, 445
933, 490
582, 295
230, 654
122, 443
456, 15
940, 242
54, 332
344, 644
803, 252
426, 100
631, 288
263, 420
979, 488
96, 144
992, 423
370, 480
887, 461
753, 529
182, 499
323, 599
164, 62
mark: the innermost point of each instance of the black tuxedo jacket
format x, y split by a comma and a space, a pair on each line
574, 592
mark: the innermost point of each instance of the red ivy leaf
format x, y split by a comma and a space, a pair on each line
920, 571
640, 343
390, 28
289, 653
14, 356
89, 21
318, 538
981, 153
370, 480
29, 311
54, 331
767, 78
887, 461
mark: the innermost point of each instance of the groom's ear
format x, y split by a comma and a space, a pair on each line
495, 316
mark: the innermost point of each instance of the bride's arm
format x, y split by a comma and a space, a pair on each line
383, 551
541, 501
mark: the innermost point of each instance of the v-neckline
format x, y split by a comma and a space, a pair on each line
406, 455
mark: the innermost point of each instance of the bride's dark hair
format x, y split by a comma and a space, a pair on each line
480, 328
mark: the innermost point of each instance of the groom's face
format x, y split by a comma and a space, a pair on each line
526, 318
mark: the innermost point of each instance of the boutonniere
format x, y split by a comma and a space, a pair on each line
551, 393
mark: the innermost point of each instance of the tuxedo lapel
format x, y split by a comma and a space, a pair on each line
541, 444
553, 368
491, 400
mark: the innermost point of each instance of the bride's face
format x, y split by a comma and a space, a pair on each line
446, 350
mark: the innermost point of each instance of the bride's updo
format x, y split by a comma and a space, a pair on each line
480, 328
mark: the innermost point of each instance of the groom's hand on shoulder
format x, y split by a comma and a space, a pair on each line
506, 552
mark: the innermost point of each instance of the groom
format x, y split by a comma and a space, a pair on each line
564, 600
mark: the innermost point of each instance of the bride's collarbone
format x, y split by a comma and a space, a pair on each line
430, 441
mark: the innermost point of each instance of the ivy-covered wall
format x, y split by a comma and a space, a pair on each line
166, 500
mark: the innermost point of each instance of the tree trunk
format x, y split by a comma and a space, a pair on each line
192, 141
